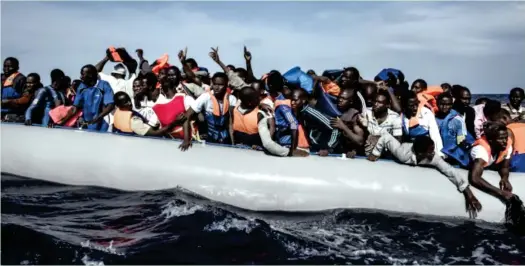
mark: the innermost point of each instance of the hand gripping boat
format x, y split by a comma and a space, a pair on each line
239, 177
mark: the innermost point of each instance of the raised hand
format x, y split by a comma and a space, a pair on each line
182, 54
247, 54
214, 54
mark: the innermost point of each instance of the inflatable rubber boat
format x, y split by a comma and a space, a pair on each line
243, 178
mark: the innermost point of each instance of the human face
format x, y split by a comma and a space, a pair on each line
516, 98
412, 105
380, 104
344, 100
219, 86
445, 104
369, 95
296, 101
32, 83
500, 142
163, 74
9, 67
88, 76
349, 78
138, 89
417, 87
173, 75
464, 97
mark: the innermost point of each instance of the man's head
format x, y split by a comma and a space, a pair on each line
75, 84
258, 85
505, 117
462, 95
369, 92
482, 100
492, 110
33, 82
11, 66
219, 83
89, 75
381, 102
299, 99
275, 82
122, 101
446, 87
138, 88
516, 97
58, 79
119, 71
346, 99
163, 75
410, 103
350, 77
497, 135
191, 63
173, 73
419, 85
444, 102
231, 67
249, 98
424, 148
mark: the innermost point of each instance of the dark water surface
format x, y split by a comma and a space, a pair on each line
47, 223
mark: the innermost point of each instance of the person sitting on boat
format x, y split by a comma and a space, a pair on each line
516, 97
140, 103
461, 105
488, 112
127, 121
353, 138
418, 120
217, 106
381, 119
456, 139
245, 119
516, 132
94, 98
152, 92
14, 89
47, 98
236, 77
494, 150
71, 91
422, 152
170, 105
323, 138
13, 110
426, 95
192, 73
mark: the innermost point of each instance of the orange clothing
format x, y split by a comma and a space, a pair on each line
247, 123
501, 156
518, 130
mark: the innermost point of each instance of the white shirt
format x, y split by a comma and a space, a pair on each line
150, 115
125, 85
204, 103
428, 121
392, 124
478, 152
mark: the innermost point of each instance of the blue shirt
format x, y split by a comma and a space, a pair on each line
92, 100
44, 101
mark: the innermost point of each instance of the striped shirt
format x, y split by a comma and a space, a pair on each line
317, 121
392, 124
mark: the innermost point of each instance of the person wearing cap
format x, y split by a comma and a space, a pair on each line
117, 78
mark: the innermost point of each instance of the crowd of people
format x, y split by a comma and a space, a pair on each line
292, 114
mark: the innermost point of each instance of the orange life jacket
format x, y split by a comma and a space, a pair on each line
302, 140
58, 113
518, 130
501, 156
246, 123
114, 54
160, 63
122, 121
9, 80
331, 88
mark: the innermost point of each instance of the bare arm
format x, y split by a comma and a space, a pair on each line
189, 73
476, 180
100, 65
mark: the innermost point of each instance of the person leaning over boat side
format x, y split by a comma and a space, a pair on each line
353, 133
95, 98
493, 149
217, 106
128, 121
461, 105
517, 135
418, 120
422, 152
456, 139
322, 136
245, 118
381, 119
47, 98
517, 111
488, 112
